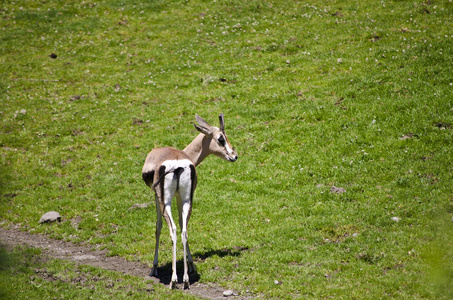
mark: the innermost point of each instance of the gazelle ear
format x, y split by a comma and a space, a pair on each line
203, 126
222, 123
204, 130
201, 122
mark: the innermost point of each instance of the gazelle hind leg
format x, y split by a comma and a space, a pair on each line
172, 226
165, 191
168, 191
185, 243
184, 198
185, 215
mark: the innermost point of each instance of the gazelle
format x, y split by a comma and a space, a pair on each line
170, 172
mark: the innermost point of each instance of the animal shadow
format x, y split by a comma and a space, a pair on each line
164, 272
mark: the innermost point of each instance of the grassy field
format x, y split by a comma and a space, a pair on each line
25, 274
352, 94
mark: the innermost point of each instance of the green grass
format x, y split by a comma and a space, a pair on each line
25, 274
315, 94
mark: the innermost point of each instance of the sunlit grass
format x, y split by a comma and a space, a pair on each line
315, 94
24, 272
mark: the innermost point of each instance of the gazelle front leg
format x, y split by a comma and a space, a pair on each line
191, 265
158, 231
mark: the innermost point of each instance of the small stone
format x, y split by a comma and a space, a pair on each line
355, 234
277, 282
51, 216
337, 190
228, 293
139, 206
76, 97
406, 136
288, 61
396, 219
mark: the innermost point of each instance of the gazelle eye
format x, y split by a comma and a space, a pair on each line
221, 140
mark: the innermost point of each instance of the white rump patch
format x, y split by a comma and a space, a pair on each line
173, 164
185, 179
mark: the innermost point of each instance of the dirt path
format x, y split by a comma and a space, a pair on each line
85, 255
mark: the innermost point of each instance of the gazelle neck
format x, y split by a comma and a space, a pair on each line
198, 149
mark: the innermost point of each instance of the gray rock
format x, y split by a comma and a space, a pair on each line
139, 206
228, 293
51, 216
337, 190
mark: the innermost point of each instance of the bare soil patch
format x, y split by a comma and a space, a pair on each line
85, 255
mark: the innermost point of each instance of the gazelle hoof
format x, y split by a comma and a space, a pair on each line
186, 285
172, 285
153, 271
185, 280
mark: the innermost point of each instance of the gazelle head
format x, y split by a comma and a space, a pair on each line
218, 144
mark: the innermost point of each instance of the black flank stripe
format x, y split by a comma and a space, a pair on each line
193, 174
162, 182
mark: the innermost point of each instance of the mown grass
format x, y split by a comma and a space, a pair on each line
316, 94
